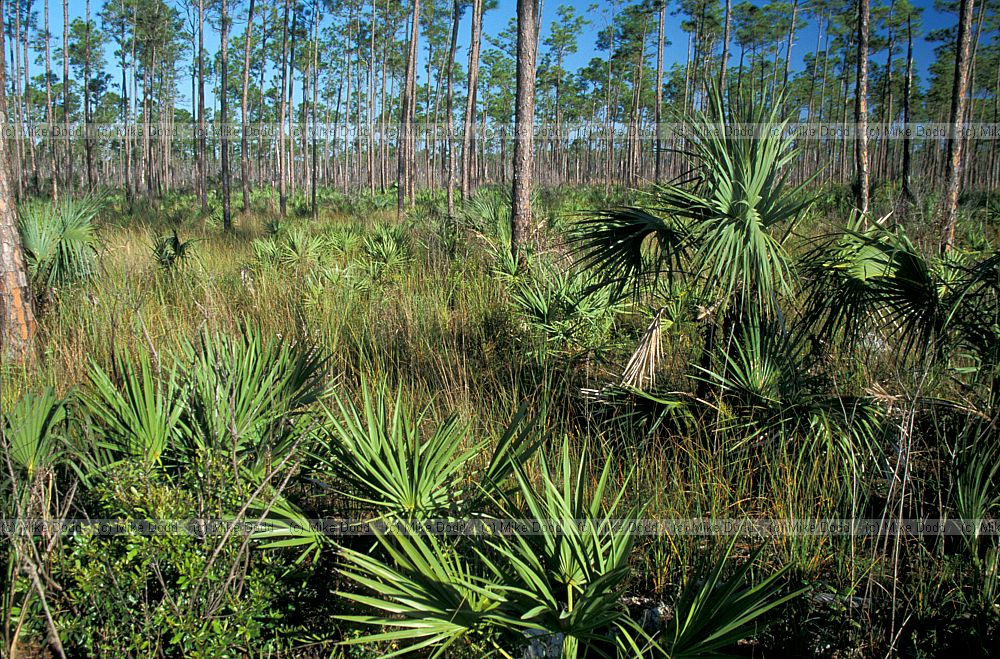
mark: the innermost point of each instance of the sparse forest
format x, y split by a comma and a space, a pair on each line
475, 328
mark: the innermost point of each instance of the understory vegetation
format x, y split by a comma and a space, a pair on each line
730, 348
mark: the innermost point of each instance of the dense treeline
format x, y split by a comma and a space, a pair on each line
336, 78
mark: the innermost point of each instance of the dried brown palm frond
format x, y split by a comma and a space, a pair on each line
641, 367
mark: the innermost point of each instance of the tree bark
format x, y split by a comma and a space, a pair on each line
244, 146
725, 46
202, 174
27, 100
65, 56
312, 107
87, 144
17, 318
48, 106
470, 101
290, 156
370, 109
788, 47
907, 143
456, 10
953, 164
404, 159
524, 118
658, 110
861, 108
227, 216
282, 111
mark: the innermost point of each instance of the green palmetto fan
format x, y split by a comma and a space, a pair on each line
722, 227
428, 593
568, 576
297, 250
381, 458
763, 385
875, 280
59, 240
974, 314
387, 245
713, 614
245, 394
170, 252
631, 248
564, 581
136, 413
376, 455
33, 430
557, 302
717, 234
488, 213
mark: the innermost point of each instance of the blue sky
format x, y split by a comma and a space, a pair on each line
497, 19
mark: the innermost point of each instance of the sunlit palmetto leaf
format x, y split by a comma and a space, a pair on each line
382, 458
33, 432
713, 613
136, 412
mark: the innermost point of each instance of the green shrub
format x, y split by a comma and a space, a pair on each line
60, 242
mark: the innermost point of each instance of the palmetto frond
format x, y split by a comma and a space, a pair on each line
33, 432
245, 393
137, 414
562, 580
631, 248
768, 395
383, 459
724, 226
60, 240
974, 311
713, 614
739, 201
874, 280
427, 592
568, 577
170, 251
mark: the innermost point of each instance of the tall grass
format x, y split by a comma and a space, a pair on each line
431, 313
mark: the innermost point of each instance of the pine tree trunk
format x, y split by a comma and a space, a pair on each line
315, 101
882, 161
27, 109
48, 107
244, 146
470, 101
17, 168
17, 319
725, 44
658, 110
450, 104
88, 146
406, 147
524, 118
126, 175
907, 142
227, 217
290, 156
202, 173
370, 110
861, 108
383, 164
953, 171
65, 57
282, 113
788, 48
